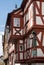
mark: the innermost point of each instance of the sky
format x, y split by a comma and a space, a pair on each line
6, 6
1, 47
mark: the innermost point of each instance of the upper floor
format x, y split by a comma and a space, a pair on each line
28, 16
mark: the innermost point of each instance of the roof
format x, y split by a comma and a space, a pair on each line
15, 10
9, 16
23, 3
8, 19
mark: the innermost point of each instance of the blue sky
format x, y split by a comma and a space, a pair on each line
6, 6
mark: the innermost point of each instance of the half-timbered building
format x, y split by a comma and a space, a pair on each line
26, 33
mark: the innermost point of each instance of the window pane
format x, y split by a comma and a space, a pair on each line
20, 47
34, 53
17, 22
21, 56
34, 43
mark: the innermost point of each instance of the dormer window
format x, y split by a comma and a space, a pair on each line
16, 22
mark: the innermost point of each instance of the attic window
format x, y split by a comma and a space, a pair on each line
16, 22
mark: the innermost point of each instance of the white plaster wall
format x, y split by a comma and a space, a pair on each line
39, 21
37, 43
30, 12
14, 31
38, 3
42, 8
40, 53
39, 36
39, 50
21, 13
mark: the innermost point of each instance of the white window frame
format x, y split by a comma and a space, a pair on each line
16, 22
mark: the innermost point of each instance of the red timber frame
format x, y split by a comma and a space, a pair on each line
39, 8
37, 29
16, 38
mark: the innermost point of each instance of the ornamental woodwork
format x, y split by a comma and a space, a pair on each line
17, 31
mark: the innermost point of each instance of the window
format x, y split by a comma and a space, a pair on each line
20, 47
34, 42
34, 53
33, 39
16, 22
21, 56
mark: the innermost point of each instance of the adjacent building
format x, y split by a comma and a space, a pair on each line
5, 46
24, 34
